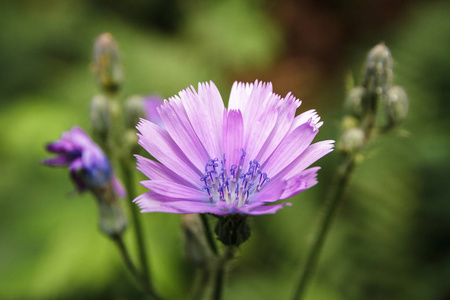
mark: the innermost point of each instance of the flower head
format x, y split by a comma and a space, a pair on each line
89, 167
236, 160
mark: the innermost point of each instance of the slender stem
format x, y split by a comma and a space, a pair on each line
123, 155
208, 233
218, 283
220, 272
131, 194
126, 258
331, 204
202, 279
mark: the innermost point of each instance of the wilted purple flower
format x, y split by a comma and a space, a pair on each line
219, 161
88, 165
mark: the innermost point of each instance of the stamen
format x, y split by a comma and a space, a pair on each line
238, 186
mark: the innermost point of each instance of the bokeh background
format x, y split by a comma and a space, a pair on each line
391, 237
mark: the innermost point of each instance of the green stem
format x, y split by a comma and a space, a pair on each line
208, 233
123, 153
201, 283
331, 204
134, 272
128, 176
220, 272
218, 283
126, 258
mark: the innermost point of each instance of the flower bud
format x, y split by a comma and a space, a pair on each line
233, 229
352, 140
112, 219
134, 109
106, 64
195, 245
355, 104
100, 114
378, 69
396, 106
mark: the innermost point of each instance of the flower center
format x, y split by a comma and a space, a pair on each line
235, 183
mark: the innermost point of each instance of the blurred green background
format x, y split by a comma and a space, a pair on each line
391, 238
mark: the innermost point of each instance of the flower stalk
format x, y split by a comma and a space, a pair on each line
362, 109
134, 272
108, 71
334, 198
220, 270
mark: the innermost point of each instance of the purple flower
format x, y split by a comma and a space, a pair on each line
89, 167
219, 161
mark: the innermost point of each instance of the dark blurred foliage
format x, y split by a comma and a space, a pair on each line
166, 16
391, 238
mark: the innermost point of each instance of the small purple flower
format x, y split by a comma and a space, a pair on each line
219, 161
89, 167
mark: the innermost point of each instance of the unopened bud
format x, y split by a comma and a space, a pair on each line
106, 64
100, 114
134, 109
352, 140
195, 245
355, 102
396, 106
112, 219
378, 69
233, 229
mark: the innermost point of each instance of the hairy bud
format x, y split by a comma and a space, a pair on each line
100, 114
134, 109
378, 69
396, 106
355, 102
112, 219
106, 63
352, 140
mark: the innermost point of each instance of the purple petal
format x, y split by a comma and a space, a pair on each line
260, 131
61, 146
240, 92
60, 160
153, 202
205, 112
286, 113
157, 171
305, 117
271, 193
233, 128
262, 210
175, 190
290, 148
158, 143
177, 125
308, 157
300, 182
151, 104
